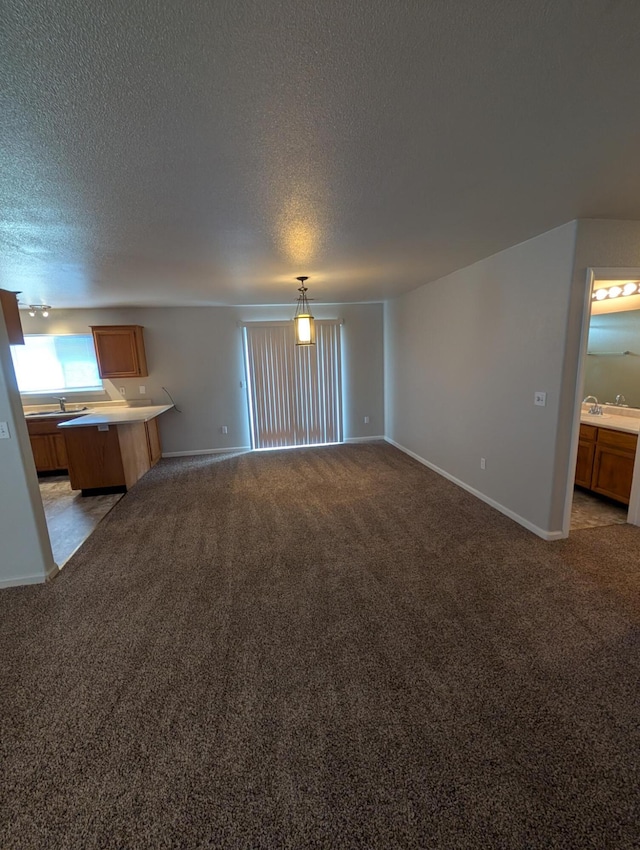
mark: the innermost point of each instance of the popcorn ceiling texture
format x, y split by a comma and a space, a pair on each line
383, 662
206, 153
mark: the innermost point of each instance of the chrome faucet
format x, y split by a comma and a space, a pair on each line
621, 401
595, 409
61, 401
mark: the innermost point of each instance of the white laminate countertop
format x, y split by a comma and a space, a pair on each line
116, 416
629, 424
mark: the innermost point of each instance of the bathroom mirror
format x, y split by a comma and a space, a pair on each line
609, 372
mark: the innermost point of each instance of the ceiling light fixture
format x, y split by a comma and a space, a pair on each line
43, 309
615, 291
303, 320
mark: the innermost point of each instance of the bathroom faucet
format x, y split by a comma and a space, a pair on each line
595, 409
61, 401
621, 401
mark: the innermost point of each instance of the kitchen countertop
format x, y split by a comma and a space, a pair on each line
116, 416
628, 424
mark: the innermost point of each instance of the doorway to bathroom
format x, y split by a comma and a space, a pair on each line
605, 490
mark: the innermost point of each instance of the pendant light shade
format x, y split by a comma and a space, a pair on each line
303, 320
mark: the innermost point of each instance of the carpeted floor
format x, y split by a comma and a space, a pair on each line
322, 648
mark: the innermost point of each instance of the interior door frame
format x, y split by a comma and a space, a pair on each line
593, 274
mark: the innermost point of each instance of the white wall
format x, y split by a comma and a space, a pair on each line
196, 353
25, 551
464, 356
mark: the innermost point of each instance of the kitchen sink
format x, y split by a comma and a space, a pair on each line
56, 412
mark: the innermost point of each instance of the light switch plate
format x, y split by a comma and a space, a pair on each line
540, 399
4, 431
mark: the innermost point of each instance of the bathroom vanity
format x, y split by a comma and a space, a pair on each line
606, 454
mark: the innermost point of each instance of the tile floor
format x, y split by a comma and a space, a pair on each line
71, 517
591, 511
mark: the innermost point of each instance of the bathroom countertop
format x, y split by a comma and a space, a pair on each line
628, 424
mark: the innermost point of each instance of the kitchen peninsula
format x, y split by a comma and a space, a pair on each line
109, 450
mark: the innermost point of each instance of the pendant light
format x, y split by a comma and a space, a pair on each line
303, 320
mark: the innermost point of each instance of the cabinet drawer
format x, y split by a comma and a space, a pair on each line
617, 439
588, 432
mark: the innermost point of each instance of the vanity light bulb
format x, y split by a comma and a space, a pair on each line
615, 291
630, 288
600, 294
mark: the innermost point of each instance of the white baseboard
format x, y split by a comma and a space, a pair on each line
52, 572
540, 532
17, 582
363, 439
231, 450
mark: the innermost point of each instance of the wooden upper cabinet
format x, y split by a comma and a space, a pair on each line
120, 351
9, 302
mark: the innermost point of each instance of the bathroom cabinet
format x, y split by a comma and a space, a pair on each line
605, 461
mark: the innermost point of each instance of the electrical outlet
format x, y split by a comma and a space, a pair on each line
122, 391
366, 420
540, 399
483, 463
4, 431
143, 389
223, 429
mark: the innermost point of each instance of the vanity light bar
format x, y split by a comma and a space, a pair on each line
631, 288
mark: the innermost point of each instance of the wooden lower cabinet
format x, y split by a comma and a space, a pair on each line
586, 452
49, 452
613, 464
48, 444
605, 461
115, 457
153, 441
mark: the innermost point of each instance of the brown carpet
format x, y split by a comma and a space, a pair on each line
322, 648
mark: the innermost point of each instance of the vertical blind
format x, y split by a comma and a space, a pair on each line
295, 391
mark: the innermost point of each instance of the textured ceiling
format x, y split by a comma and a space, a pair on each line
209, 152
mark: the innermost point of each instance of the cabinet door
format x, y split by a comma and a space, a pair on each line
9, 302
42, 452
612, 472
59, 450
584, 465
120, 351
153, 441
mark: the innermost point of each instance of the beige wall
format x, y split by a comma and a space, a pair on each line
196, 353
464, 356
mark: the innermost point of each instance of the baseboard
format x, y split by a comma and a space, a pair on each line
363, 439
18, 582
55, 569
52, 572
231, 450
540, 532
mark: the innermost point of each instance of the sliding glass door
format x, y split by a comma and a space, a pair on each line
295, 391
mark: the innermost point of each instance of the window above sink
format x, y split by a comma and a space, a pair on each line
56, 363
